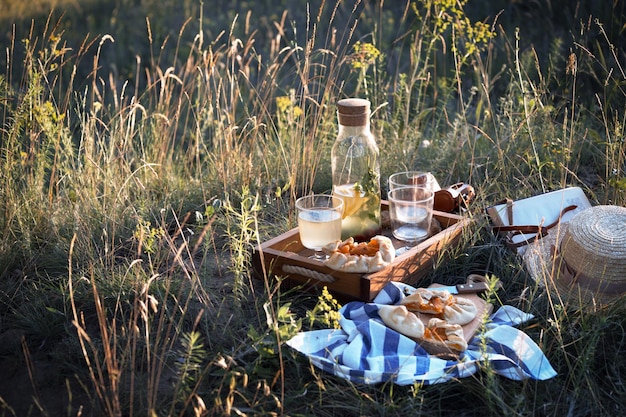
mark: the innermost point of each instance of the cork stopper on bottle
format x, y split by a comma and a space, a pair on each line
353, 111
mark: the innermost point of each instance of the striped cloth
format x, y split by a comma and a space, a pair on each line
364, 350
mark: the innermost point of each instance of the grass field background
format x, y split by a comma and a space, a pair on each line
148, 147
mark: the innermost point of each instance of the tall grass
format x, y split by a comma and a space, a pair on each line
131, 201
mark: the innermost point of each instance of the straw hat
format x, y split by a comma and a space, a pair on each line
584, 260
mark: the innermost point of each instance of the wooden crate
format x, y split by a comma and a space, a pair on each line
285, 256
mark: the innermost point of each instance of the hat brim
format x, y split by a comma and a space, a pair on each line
544, 265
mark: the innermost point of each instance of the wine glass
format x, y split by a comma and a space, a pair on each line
319, 221
411, 213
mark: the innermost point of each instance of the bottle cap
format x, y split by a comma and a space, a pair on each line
353, 111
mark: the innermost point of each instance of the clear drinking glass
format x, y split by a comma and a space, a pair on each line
411, 213
319, 221
413, 178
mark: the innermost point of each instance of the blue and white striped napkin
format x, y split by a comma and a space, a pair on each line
364, 350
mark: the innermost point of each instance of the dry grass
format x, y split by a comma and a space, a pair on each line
131, 196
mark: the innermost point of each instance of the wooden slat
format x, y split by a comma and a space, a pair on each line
287, 252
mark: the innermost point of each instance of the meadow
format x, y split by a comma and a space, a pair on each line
148, 148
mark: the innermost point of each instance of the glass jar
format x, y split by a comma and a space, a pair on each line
356, 170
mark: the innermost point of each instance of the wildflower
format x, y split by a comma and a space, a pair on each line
365, 54
326, 311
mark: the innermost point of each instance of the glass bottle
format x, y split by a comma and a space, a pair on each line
356, 170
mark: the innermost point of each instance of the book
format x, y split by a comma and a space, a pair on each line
539, 210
